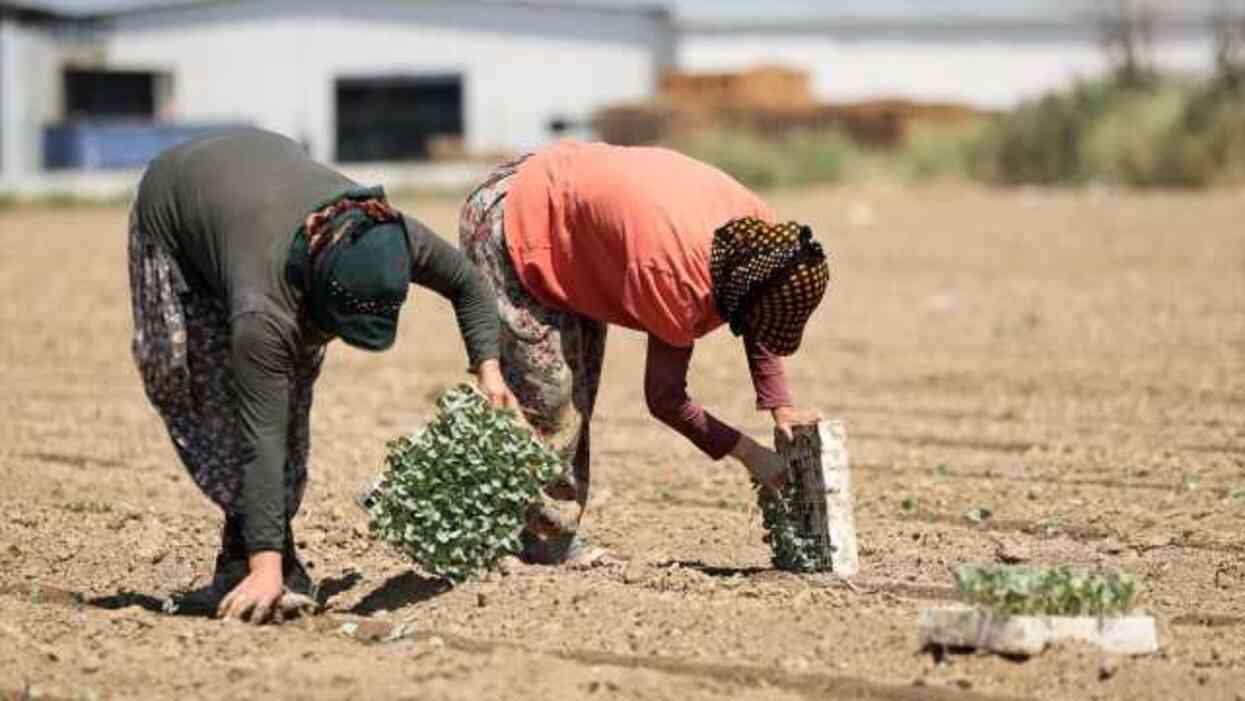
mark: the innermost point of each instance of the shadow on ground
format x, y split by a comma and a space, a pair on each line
202, 602
719, 570
331, 587
126, 599
401, 591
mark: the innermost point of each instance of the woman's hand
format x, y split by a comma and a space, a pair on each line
493, 385
766, 466
787, 417
254, 598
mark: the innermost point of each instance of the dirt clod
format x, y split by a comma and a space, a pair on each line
1010, 552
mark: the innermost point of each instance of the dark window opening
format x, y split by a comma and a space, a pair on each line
97, 94
398, 118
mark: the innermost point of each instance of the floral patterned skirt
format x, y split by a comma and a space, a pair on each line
181, 346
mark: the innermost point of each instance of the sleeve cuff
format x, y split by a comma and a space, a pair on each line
722, 443
772, 403
264, 548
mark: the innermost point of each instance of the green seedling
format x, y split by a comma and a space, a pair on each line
1011, 590
781, 516
454, 496
942, 470
908, 504
1051, 524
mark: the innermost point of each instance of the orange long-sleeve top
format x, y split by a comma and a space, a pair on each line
622, 235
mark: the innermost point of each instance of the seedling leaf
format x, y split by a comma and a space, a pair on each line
1011, 590
454, 495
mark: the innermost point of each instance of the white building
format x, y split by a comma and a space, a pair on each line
987, 53
378, 80
500, 75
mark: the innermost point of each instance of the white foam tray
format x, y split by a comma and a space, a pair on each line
967, 627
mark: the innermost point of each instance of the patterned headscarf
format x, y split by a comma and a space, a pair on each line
352, 262
370, 209
767, 280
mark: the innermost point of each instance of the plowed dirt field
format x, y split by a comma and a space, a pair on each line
1074, 362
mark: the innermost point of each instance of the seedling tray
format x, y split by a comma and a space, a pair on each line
967, 627
818, 499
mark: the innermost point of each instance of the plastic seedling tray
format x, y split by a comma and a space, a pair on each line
968, 627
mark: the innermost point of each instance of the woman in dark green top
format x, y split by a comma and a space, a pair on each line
246, 259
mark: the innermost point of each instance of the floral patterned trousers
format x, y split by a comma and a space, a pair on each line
181, 346
551, 359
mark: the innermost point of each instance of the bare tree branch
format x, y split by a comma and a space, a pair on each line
1126, 30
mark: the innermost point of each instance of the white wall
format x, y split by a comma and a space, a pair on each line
29, 95
986, 72
275, 63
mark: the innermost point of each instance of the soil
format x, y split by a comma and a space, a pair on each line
1073, 362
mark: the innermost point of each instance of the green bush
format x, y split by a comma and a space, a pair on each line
1207, 146
454, 496
933, 153
1168, 133
799, 157
1062, 591
1163, 132
1127, 144
1042, 142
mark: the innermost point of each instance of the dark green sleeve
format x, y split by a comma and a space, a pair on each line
261, 363
442, 268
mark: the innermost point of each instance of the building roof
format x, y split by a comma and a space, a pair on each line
86, 8
105, 8
750, 13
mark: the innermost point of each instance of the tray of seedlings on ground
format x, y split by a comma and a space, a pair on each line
1016, 610
809, 525
453, 497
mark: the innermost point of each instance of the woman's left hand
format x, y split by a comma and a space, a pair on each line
493, 385
787, 417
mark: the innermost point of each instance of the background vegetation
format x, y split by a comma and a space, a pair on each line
1132, 127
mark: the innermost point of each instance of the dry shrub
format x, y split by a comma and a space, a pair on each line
1173, 133
798, 157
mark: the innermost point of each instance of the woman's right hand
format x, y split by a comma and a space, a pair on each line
766, 466
493, 385
255, 597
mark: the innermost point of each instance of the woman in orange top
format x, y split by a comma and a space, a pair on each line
578, 236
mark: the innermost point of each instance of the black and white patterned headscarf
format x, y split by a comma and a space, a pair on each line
767, 280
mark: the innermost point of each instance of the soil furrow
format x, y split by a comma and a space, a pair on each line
992, 525
1042, 479
810, 685
69, 460
943, 442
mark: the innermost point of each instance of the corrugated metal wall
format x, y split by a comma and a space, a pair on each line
275, 64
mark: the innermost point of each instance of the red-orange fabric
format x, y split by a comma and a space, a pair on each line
622, 234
